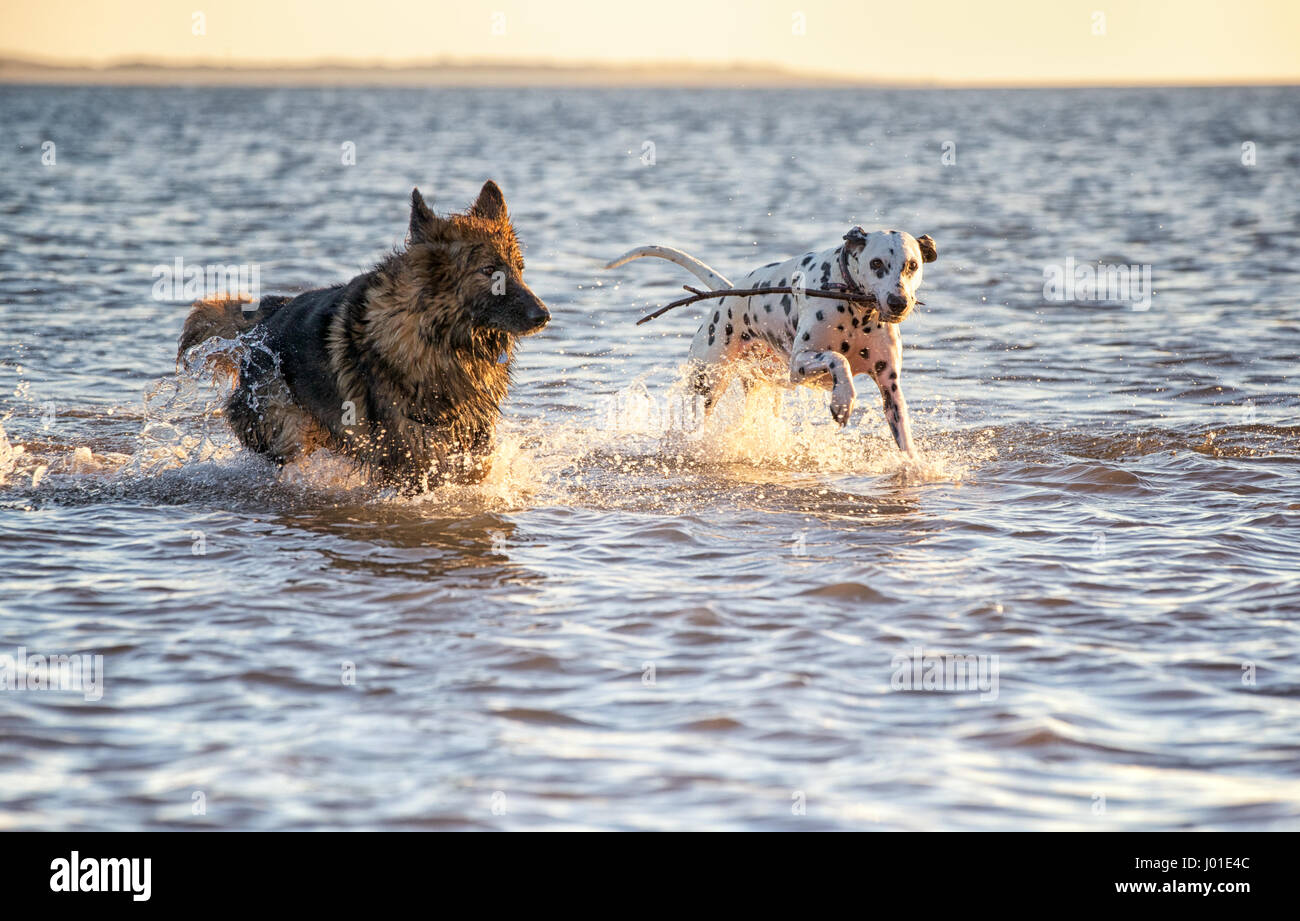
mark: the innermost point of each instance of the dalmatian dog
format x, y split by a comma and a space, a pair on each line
792, 339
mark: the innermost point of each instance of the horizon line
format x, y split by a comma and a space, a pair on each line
14, 68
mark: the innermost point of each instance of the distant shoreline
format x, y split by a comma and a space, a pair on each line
490, 74
467, 74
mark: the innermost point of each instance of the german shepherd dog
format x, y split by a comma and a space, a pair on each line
402, 369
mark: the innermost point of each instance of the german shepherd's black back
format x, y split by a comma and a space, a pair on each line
402, 369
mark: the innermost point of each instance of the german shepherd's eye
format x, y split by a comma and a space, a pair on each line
876, 265
488, 270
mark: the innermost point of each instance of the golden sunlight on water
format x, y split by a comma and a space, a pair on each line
646, 618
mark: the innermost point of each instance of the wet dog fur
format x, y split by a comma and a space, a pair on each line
403, 368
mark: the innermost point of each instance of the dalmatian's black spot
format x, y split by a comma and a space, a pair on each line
806, 337
807, 259
767, 308
785, 302
770, 264
880, 366
864, 353
802, 370
893, 375
781, 283
820, 315
730, 329
844, 347
855, 322
840, 327
715, 316
893, 386
880, 273
840, 308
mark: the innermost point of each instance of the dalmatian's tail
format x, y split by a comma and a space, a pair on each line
712, 279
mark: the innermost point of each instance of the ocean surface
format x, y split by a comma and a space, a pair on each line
646, 619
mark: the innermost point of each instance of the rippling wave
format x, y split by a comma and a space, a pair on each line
646, 618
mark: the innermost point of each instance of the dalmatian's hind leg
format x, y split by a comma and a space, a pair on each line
713, 355
762, 395
765, 375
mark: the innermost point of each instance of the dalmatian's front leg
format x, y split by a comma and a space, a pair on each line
810, 364
820, 350
883, 360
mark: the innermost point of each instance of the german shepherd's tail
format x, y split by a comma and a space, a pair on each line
222, 316
686, 261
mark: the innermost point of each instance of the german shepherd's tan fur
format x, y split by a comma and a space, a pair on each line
402, 369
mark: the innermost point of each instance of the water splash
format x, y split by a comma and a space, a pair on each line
636, 442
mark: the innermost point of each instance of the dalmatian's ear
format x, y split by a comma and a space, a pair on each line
929, 252
857, 237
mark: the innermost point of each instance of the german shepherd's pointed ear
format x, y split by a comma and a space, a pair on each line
491, 204
424, 223
929, 252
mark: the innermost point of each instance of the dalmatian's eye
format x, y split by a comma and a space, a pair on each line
911, 266
876, 265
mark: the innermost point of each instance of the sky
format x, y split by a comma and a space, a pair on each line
946, 41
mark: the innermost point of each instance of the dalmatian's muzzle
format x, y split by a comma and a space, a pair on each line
892, 307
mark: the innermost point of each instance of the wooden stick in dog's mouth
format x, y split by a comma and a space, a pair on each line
698, 295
